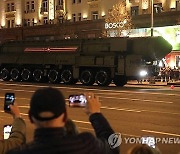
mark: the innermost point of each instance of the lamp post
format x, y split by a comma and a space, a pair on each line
152, 17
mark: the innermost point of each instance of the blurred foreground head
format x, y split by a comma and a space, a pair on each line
143, 149
47, 104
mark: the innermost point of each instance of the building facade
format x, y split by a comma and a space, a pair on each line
57, 19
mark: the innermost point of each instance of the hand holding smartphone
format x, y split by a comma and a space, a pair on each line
7, 131
77, 100
8, 100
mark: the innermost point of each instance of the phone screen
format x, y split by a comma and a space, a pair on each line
7, 131
9, 99
77, 100
150, 141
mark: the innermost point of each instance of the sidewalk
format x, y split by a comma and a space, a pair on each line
157, 83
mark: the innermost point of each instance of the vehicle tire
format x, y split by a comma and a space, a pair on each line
38, 75
26, 75
87, 77
5, 75
53, 76
67, 76
15, 74
103, 78
120, 80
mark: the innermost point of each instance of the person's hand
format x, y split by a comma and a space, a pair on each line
93, 104
14, 110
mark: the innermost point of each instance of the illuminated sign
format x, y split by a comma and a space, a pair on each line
114, 25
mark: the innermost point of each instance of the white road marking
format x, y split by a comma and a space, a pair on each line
164, 133
18, 90
85, 89
120, 109
79, 121
135, 99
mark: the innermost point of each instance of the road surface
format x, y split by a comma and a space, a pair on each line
133, 111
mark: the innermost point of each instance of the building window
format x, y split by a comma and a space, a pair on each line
79, 17
59, 5
12, 23
28, 22
61, 19
177, 61
178, 5
79, 1
32, 5
73, 1
27, 6
134, 10
12, 7
94, 15
60, 2
45, 6
45, 20
158, 8
74, 17
8, 7
24, 22
144, 11
9, 24
33, 22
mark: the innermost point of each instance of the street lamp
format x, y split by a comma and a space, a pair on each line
152, 18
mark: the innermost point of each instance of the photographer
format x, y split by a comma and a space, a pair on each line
48, 113
17, 136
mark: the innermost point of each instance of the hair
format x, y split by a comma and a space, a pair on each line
143, 149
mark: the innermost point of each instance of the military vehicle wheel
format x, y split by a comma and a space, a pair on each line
120, 80
87, 77
5, 74
26, 74
15, 74
53, 76
38, 75
67, 76
103, 78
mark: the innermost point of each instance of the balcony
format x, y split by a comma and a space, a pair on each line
10, 10
93, 1
10, 13
29, 11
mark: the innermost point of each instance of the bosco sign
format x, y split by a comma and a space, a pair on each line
113, 25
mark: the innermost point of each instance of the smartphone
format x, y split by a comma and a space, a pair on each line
8, 100
77, 100
150, 141
7, 131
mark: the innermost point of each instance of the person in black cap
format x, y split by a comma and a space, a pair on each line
48, 113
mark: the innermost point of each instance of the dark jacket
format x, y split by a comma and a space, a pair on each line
16, 138
56, 141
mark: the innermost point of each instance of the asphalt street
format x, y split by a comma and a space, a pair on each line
133, 111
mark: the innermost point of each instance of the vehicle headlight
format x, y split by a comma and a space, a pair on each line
143, 73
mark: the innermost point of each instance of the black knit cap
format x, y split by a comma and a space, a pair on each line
47, 100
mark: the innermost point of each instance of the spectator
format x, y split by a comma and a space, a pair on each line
48, 114
143, 149
17, 136
71, 128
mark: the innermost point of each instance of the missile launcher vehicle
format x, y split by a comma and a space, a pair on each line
101, 60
